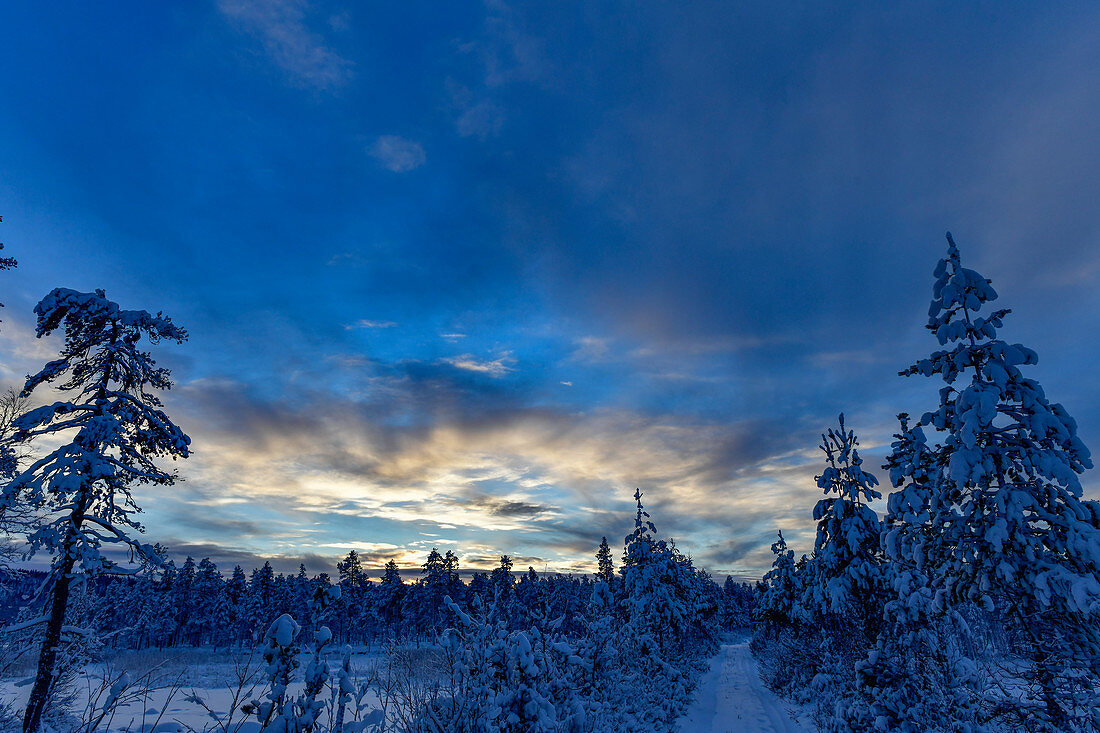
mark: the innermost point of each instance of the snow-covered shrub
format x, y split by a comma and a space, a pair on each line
508, 681
600, 672
280, 712
916, 678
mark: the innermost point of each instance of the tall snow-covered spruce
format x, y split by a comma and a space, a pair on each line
997, 517
846, 551
780, 589
83, 489
817, 617
605, 566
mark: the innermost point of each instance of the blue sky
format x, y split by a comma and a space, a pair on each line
464, 275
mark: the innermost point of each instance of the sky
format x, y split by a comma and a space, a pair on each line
465, 275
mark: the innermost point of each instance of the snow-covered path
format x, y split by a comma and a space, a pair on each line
731, 698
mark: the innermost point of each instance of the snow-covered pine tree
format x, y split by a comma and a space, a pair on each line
185, 601
908, 530
391, 597
431, 591
848, 562
260, 602
530, 599
784, 640
844, 590
236, 591
301, 597
1006, 523
211, 611
163, 605
605, 567
503, 681
657, 609
504, 591
479, 587
355, 586
608, 702
501, 578
455, 588
781, 590
83, 489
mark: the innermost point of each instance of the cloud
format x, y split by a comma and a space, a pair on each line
493, 367
398, 154
23, 352
591, 349
509, 508
281, 28
227, 556
508, 55
341, 257
521, 480
481, 119
364, 323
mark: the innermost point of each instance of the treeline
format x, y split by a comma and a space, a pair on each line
973, 604
195, 605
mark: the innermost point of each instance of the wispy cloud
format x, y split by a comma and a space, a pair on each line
591, 349
280, 26
509, 54
481, 119
366, 323
341, 257
398, 154
493, 367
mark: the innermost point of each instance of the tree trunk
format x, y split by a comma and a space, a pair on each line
47, 658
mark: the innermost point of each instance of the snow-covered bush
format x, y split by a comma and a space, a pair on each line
507, 681
281, 712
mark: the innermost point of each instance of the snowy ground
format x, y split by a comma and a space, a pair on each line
731, 698
181, 676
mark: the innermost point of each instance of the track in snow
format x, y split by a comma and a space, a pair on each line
730, 698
